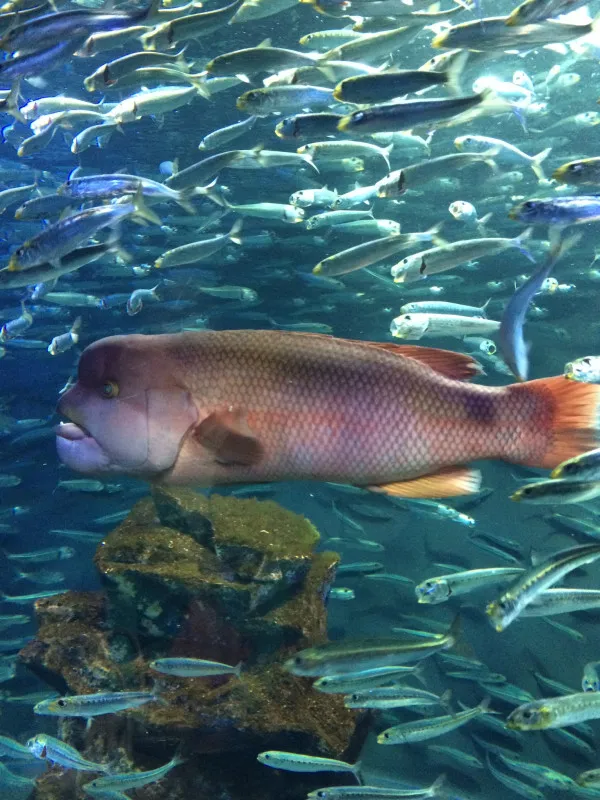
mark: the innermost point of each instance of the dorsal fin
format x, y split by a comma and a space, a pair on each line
458, 366
448, 363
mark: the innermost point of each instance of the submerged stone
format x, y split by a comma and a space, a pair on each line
236, 581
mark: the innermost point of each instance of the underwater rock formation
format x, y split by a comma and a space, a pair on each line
218, 578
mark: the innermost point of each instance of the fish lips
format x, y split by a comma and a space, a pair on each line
75, 445
80, 451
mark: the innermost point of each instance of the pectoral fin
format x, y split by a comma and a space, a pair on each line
448, 482
227, 434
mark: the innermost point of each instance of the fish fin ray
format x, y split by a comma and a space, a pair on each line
448, 482
445, 362
226, 434
572, 418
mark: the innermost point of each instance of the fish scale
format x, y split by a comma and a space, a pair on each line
322, 408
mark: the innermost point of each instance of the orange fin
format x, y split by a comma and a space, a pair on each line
227, 435
448, 482
570, 411
446, 362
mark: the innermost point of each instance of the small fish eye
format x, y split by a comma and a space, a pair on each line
61, 703
110, 389
587, 361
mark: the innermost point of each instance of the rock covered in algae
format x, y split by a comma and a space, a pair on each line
210, 577
247, 561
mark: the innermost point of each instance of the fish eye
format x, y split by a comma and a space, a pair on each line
587, 360
528, 713
527, 490
110, 389
408, 317
577, 167
61, 703
569, 468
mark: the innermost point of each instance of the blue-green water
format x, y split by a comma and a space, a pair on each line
564, 80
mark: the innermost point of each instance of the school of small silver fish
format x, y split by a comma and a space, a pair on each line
383, 171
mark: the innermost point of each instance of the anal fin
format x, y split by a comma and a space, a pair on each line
448, 482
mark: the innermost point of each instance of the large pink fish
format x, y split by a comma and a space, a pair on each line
220, 407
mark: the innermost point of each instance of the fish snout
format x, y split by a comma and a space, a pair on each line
69, 405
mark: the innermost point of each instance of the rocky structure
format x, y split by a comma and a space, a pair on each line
216, 577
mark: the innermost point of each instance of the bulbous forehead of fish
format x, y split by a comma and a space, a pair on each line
127, 360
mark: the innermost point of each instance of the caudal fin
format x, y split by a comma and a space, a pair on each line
536, 163
141, 210
558, 422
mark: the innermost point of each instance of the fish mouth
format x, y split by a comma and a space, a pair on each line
72, 432
79, 450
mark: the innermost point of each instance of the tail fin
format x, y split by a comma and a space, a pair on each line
519, 243
12, 102
558, 422
536, 163
455, 70
357, 771
436, 786
142, 211
234, 233
481, 223
75, 329
454, 631
183, 199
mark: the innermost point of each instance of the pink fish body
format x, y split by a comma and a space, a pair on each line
221, 407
